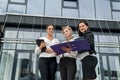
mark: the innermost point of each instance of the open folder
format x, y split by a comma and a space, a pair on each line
77, 45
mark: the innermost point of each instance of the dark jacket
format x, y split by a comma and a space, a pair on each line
90, 37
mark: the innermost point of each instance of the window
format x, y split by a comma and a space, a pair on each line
17, 6
116, 5
70, 3
14, 8
18, 1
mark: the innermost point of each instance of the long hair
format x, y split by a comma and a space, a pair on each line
82, 21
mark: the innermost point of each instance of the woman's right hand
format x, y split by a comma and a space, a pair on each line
43, 44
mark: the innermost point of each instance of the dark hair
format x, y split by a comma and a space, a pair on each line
82, 21
49, 25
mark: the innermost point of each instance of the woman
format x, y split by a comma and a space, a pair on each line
67, 65
47, 59
88, 58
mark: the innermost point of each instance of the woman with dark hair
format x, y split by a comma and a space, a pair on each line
47, 58
88, 58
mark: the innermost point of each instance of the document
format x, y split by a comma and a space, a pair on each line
38, 42
77, 45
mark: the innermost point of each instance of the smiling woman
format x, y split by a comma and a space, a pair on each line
47, 59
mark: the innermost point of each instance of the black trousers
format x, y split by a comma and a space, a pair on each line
67, 67
88, 66
47, 67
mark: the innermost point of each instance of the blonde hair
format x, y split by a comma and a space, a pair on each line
67, 27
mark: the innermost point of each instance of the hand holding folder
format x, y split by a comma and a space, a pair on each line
77, 45
38, 42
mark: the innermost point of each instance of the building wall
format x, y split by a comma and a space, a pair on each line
93, 9
102, 16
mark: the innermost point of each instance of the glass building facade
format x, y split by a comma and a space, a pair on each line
23, 21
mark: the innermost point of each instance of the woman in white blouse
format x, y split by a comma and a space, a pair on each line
67, 63
47, 59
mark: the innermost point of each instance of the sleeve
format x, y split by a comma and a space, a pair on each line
90, 38
75, 54
57, 41
37, 50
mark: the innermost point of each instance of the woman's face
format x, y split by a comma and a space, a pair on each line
83, 27
67, 33
50, 30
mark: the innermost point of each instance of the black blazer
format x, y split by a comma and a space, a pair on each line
90, 37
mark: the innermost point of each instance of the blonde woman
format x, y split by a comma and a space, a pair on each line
67, 65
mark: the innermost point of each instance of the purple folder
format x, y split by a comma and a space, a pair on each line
77, 45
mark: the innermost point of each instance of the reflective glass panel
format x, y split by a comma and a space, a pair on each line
105, 73
86, 9
107, 39
28, 34
18, 1
13, 8
22, 66
109, 50
35, 7
103, 9
114, 67
60, 36
70, 4
3, 4
52, 9
10, 34
116, 15
116, 5
9, 46
25, 46
6, 64
70, 12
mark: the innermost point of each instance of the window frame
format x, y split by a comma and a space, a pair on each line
71, 7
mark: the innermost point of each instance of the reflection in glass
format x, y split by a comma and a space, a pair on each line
10, 34
35, 7
22, 66
100, 5
96, 38
70, 12
6, 64
8, 46
114, 67
25, 46
107, 39
59, 36
116, 15
28, 34
86, 9
3, 4
70, 3
105, 68
52, 9
109, 50
13, 8
43, 34
116, 5
18, 1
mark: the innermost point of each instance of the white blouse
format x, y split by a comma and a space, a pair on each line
48, 44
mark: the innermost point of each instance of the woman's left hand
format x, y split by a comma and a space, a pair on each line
66, 49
